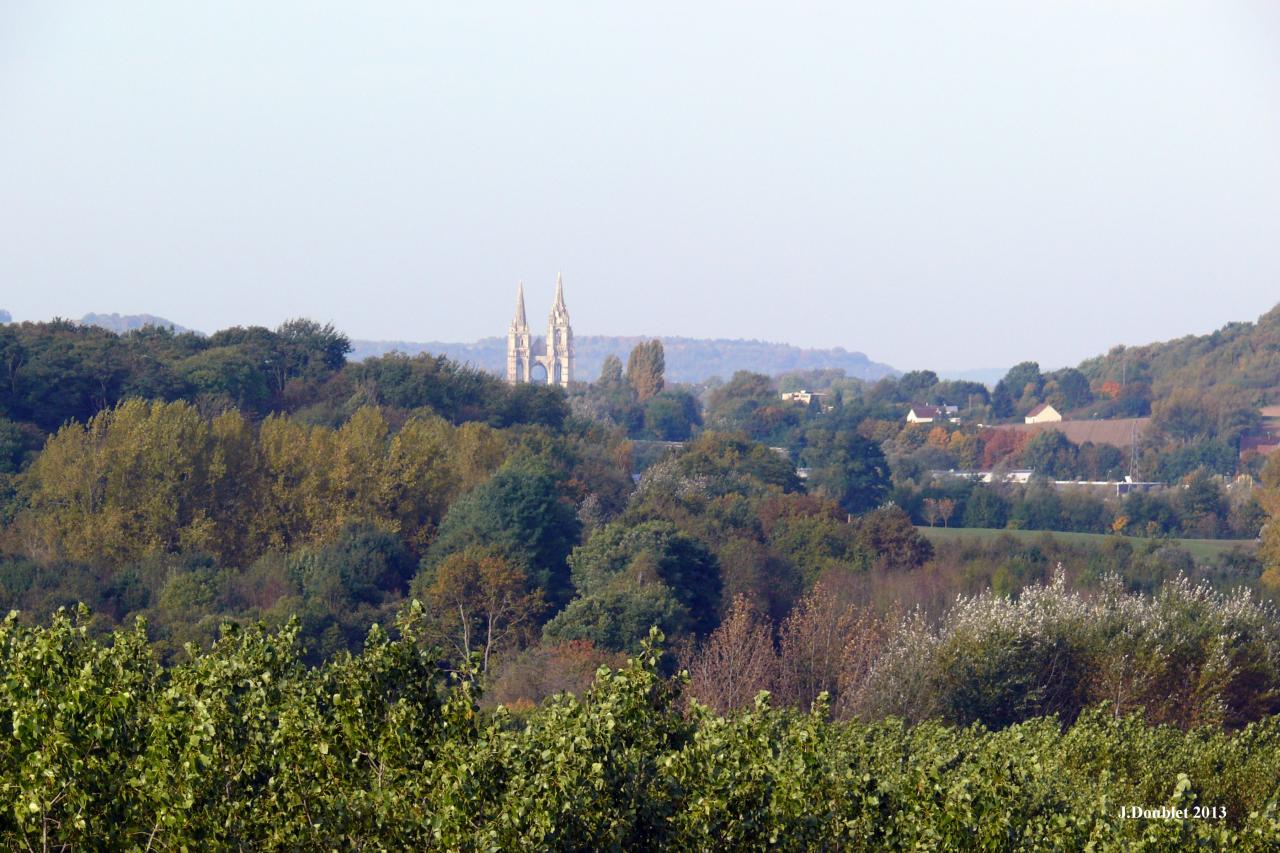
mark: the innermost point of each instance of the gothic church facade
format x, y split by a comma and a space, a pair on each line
558, 362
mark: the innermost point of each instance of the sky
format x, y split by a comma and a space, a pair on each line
943, 185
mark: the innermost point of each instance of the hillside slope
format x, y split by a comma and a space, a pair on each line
1239, 355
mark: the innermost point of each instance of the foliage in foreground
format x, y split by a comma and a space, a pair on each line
1186, 656
100, 746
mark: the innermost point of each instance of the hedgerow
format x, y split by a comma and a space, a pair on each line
101, 746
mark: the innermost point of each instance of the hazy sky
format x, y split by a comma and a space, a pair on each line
935, 184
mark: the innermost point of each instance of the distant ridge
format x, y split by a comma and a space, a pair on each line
687, 359
121, 323
5, 316
986, 375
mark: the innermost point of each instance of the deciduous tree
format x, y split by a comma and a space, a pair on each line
646, 368
481, 603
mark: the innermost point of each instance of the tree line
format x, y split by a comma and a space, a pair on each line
245, 745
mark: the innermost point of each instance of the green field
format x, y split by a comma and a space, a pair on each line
1207, 550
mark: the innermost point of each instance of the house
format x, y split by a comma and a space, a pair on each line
1043, 414
1017, 475
1264, 440
921, 413
805, 398
1263, 443
1119, 488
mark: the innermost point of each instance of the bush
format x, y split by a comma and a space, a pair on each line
243, 746
1187, 656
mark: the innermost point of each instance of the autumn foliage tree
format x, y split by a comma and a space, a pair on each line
150, 478
646, 368
826, 645
481, 604
736, 662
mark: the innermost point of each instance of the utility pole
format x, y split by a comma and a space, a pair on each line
1133, 448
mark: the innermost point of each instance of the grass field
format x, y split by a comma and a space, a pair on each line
1207, 550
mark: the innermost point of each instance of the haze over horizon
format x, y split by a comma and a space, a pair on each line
943, 187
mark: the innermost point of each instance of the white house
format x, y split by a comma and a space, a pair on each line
922, 414
804, 398
925, 414
1043, 414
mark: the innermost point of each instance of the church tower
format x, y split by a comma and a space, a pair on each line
519, 347
558, 361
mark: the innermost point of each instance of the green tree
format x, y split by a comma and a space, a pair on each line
847, 468
1051, 454
1018, 390
889, 535
228, 376
619, 614
1183, 417
610, 372
18, 443
960, 393
528, 403
985, 507
917, 385
729, 463
671, 416
1074, 387
364, 564
521, 513
652, 551
750, 404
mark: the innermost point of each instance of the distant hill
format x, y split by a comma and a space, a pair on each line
986, 375
1239, 355
121, 323
5, 316
688, 359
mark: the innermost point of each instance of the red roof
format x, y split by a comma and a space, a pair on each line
1265, 444
1037, 410
925, 411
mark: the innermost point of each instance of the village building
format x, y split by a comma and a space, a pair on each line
1265, 439
805, 398
1043, 414
922, 413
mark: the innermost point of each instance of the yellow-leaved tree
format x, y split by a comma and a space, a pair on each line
132, 481
147, 478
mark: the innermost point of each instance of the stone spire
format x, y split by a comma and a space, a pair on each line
559, 357
520, 322
519, 343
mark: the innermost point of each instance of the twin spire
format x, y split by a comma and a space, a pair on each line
558, 362
520, 321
